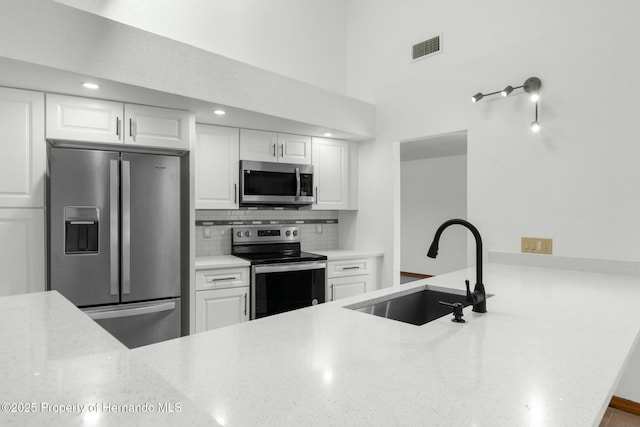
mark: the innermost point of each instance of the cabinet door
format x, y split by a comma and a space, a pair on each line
258, 145
217, 152
157, 127
82, 119
294, 149
344, 287
221, 307
24, 151
21, 251
331, 173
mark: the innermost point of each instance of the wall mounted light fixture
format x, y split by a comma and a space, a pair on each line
532, 86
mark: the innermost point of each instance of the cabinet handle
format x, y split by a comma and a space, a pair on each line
282, 150
316, 194
131, 128
245, 304
331, 292
357, 267
274, 149
219, 279
118, 127
235, 194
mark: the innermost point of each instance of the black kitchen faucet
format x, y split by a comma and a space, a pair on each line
478, 297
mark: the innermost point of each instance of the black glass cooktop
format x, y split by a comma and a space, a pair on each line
278, 257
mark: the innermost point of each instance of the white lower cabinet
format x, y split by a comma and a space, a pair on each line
22, 251
346, 278
222, 297
343, 287
221, 307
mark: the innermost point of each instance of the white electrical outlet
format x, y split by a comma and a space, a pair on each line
207, 232
318, 228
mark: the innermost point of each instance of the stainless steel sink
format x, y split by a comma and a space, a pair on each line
416, 306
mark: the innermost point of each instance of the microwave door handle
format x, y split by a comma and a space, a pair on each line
297, 184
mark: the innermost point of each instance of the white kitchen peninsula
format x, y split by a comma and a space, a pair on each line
549, 352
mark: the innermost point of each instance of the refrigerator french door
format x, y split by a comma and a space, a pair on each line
114, 221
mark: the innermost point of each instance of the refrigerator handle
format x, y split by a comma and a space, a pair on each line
126, 227
128, 312
113, 226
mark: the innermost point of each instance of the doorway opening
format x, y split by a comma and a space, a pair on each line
433, 189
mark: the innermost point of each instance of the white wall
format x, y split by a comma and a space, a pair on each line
576, 181
301, 39
433, 191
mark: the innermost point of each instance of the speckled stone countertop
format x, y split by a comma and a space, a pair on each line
220, 261
549, 352
343, 254
59, 368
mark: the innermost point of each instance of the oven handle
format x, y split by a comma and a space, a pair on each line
280, 268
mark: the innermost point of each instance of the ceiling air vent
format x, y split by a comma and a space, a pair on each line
426, 48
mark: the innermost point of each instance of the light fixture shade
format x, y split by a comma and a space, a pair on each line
507, 90
477, 97
219, 112
535, 126
532, 86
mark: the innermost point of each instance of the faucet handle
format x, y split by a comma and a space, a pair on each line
466, 282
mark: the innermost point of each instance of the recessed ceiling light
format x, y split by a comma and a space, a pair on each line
219, 112
328, 134
91, 86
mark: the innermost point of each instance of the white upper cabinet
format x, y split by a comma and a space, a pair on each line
82, 119
156, 127
258, 145
71, 118
294, 148
217, 170
331, 173
266, 146
23, 150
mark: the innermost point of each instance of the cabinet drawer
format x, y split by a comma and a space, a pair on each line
222, 278
352, 267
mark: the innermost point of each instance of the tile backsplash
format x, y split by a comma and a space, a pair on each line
219, 240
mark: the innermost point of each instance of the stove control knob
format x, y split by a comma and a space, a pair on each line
239, 234
288, 233
295, 233
247, 234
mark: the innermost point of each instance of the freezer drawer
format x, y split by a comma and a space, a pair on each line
139, 324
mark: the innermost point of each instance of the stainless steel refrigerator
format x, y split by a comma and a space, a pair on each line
114, 241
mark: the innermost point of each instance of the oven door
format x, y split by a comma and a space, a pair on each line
276, 288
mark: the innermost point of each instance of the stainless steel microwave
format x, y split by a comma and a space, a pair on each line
275, 184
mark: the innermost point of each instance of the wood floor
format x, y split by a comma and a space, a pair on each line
617, 418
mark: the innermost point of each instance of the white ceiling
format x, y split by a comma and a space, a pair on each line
452, 144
